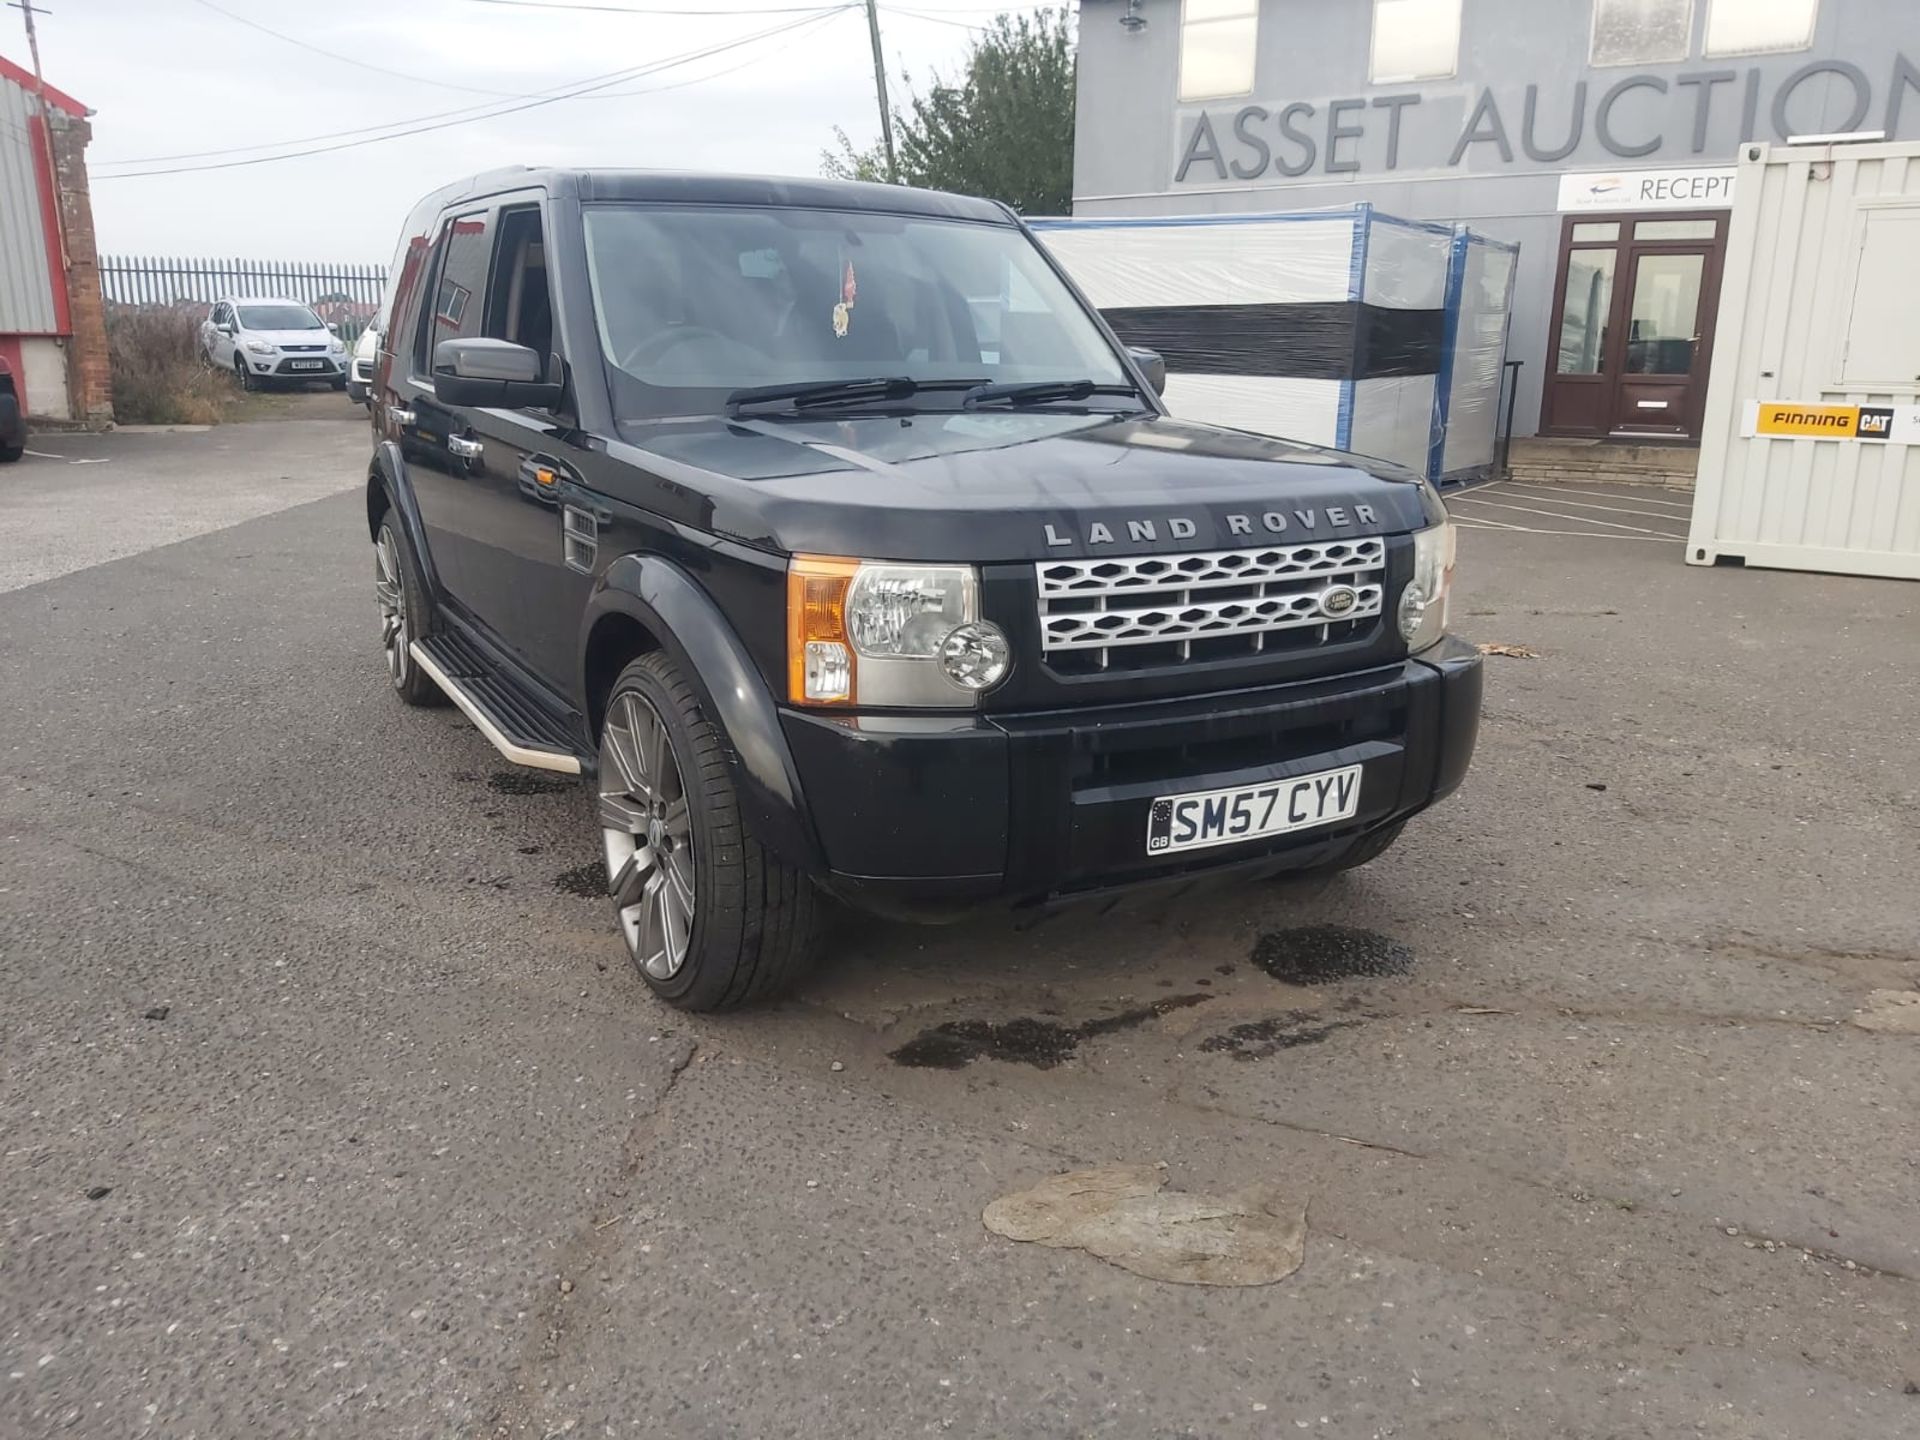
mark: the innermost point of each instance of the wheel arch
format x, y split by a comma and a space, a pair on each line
387, 490
649, 602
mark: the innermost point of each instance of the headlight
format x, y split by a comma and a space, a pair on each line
861, 632
1423, 604
260, 347
339, 346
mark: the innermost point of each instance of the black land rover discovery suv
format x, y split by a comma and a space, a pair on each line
837, 541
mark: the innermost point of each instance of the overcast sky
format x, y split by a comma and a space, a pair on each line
170, 78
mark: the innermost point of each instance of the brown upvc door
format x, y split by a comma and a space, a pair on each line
1632, 328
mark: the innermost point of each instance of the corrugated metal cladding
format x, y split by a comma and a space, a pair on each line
1810, 453
26, 279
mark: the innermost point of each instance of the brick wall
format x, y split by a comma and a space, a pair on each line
89, 373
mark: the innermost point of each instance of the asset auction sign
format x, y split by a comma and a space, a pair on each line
1602, 117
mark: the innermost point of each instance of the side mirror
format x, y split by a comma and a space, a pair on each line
493, 373
1152, 366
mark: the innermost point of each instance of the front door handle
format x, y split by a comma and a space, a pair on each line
401, 416
466, 449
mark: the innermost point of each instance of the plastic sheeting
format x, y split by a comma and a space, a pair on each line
1480, 308
1205, 260
1406, 264
1340, 328
1393, 420
1305, 410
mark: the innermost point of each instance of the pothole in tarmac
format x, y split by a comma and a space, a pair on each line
1323, 954
528, 782
588, 881
1025, 1040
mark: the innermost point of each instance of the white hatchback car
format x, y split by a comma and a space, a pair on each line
266, 341
360, 375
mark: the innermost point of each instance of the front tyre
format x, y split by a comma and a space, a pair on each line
403, 614
711, 919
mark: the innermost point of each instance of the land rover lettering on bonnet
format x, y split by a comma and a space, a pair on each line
840, 549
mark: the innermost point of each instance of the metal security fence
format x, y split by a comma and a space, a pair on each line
344, 295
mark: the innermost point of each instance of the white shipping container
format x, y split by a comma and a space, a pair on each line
1810, 451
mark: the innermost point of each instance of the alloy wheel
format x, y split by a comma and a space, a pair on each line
390, 591
648, 830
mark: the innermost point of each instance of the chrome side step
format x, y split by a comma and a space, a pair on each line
473, 692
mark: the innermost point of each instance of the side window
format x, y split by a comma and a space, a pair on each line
453, 305
519, 304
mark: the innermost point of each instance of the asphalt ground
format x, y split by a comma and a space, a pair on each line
329, 1108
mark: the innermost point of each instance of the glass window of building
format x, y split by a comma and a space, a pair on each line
1752, 27
1415, 40
1216, 47
1642, 32
1586, 302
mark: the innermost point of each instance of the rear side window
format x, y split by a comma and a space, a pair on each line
453, 308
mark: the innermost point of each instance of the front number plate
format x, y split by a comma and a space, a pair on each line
1227, 817
306, 364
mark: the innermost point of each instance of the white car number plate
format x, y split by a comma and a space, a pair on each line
1253, 812
308, 364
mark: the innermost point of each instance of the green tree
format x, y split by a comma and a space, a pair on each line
1003, 129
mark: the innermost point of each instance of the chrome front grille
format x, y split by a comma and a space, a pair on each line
1146, 610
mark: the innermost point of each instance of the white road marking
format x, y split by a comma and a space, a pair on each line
1496, 526
1556, 515
1686, 505
1582, 505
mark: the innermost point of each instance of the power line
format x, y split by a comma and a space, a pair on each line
478, 110
936, 19
350, 60
472, 110
703, 12
585, 90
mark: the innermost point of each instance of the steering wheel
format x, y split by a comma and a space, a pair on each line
649, 352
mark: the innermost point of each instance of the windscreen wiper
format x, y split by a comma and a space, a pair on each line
823, 392
1038, 392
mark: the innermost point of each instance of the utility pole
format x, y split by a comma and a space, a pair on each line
25, 7
879, 80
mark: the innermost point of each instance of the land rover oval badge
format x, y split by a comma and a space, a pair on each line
1338, 600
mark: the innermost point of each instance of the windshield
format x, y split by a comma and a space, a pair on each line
695, 303
279, 317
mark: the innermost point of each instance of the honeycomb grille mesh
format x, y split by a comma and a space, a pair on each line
1105, 613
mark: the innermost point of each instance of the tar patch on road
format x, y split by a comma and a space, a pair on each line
528, 782
1322, 954
588, 881
1261, 1039
1042, 1044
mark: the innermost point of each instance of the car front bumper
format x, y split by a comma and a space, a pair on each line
297, 367
927, 817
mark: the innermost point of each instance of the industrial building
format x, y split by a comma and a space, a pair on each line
52, 323
1600, 135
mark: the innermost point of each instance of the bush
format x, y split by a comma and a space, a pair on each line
159, 377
